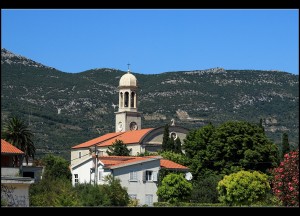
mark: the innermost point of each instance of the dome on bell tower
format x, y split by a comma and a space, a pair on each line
128, 79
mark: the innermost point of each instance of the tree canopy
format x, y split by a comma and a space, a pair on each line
56, 167
229, 148
243, 188
118, 148
174, 188
16, 132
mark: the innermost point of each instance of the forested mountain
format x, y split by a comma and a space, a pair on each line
65, 109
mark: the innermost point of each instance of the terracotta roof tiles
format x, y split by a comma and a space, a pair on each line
98, 140
8, 148
164, 163
128, 137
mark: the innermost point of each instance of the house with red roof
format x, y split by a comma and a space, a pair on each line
138, 174
14, 187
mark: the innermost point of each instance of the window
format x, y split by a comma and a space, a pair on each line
149, 200
132, 100
79, 154
133, 176
76, 180
126, 99
149, 175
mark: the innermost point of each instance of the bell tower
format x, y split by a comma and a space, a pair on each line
127, 117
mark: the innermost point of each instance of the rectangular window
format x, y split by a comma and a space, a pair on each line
149, 175
79, 154
76, 180
149, 200
133, 176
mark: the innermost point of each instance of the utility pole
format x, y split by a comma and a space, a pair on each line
96, 165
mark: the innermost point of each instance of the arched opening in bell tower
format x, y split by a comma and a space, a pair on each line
121, 99
126, 99
132, 100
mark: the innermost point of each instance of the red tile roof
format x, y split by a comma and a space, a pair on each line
111, 161
128, 137
97, 140
164, 163
8, 148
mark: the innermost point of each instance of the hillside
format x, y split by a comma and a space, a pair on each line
65, 109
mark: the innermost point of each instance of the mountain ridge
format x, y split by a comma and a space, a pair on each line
65, 109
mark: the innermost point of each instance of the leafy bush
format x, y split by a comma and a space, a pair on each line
174, 188
243, 188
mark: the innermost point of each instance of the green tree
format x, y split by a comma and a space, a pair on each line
118, 148
231, 147
166, 139
174, 188
285, 144
177, 146
53, 192
56, 167
92, 195
117, 194
243, 188
16, 132
261, 125
205, 189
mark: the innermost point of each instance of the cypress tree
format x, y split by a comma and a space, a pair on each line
285, 144
166, 138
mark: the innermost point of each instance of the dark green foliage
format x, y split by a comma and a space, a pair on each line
118, 148
56, 167
16, 132
117, 194
285, 144
261, 125
229, 148
177, 146
53, 193
205, 189
166, 139
92, 195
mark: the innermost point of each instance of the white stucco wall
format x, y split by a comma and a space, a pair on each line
75, 159
15, 193
140, 188
84, 173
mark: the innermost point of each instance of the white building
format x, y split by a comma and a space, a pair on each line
138, 174
14, 187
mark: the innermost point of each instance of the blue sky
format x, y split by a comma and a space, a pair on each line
155, 41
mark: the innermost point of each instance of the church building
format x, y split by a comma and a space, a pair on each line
128, 127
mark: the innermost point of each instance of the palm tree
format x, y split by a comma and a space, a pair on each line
17, 133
